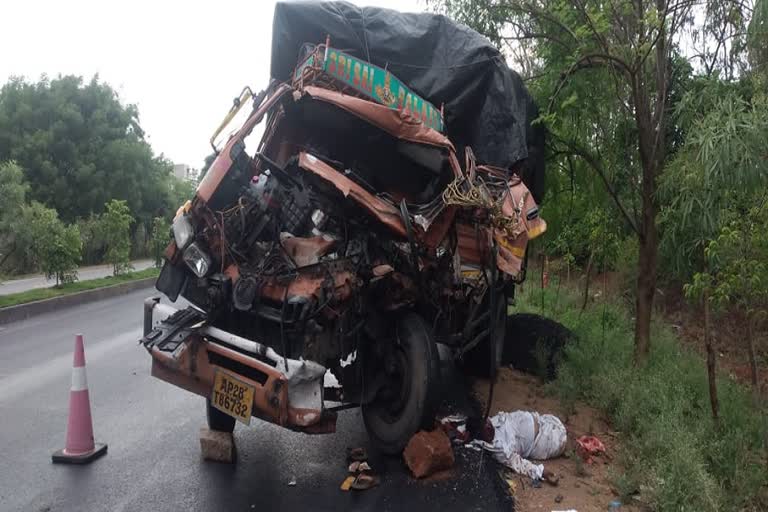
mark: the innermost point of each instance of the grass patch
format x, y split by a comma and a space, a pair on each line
674, 455
15, 299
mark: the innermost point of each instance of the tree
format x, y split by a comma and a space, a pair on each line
91, 236
13, 192
53, 246
740, 271
115, 229
160, 230
757, 35
181, 191
723, 158
80, 146
607, 72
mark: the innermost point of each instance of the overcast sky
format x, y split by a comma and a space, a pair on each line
181, 62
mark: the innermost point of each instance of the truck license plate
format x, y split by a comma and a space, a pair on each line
232, 396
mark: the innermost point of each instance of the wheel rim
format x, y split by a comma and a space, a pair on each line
397, 392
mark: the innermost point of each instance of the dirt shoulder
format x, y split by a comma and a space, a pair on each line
583, 487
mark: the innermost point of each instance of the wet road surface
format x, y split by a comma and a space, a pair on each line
154, 462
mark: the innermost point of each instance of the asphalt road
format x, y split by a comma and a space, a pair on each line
83, 274
154, 462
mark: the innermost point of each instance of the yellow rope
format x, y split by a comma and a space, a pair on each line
464, 193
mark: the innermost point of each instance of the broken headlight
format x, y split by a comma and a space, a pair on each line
183, 232
197, 260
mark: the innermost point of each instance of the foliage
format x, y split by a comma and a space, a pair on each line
593, 237
674, 458
721, 159
139, 241
757, 35
160, 232
53, 246
80, 146
737, 259
91, 237
607, 74
13, 192
14, 299
180, 192
114, 227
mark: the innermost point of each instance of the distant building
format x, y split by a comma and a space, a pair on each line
185, 172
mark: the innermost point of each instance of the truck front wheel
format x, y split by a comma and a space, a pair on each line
407, 402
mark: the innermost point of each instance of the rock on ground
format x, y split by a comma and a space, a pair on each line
428, 453
217, 446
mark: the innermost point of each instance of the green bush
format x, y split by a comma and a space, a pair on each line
114, 227
160, 238
48, 243
673, 453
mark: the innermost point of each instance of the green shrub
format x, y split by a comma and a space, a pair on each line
672, 451
114, 226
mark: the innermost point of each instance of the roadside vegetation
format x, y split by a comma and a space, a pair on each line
675, 457
14, 299
657, 177
79, 184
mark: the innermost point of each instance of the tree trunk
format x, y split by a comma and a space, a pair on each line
8, 254
651, 128
711, 361
646, 285
586, 282
752, 356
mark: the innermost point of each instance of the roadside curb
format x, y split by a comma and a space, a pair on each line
23, 311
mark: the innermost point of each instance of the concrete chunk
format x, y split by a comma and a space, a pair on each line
428, 452
217, 446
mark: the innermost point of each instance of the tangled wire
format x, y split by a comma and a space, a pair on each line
476, 194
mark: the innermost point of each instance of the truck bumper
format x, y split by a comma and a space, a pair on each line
287, 392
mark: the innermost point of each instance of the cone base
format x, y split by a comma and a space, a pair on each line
83, 458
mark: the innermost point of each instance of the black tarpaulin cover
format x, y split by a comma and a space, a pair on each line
486, 104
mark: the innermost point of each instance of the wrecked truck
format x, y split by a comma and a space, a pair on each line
321, 264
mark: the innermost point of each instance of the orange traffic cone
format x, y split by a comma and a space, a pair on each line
80, 448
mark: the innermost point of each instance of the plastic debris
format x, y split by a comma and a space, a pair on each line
362, 476
292, 481
455, 427
357, 467
589, 446
454, 418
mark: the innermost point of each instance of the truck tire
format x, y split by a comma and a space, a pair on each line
218, 420
392, 422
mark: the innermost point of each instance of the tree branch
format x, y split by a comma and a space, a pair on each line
575, 150
589, 61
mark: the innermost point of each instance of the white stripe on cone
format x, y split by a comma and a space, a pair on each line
79, 380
